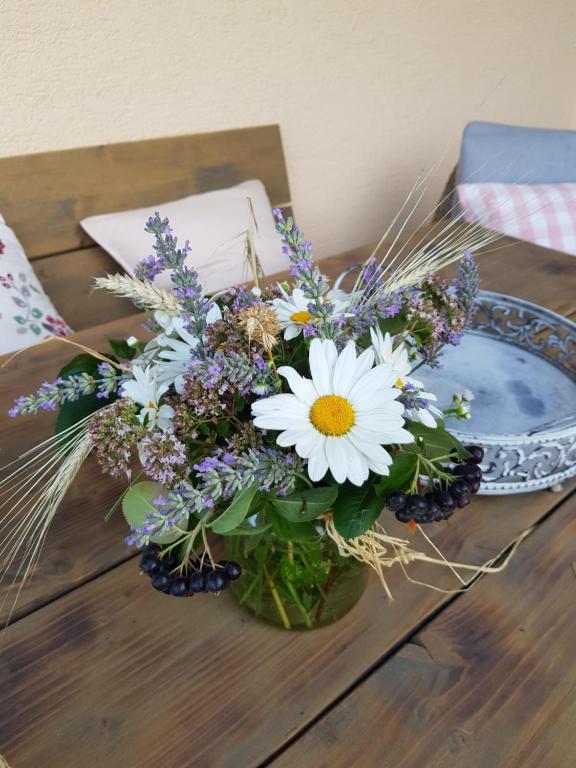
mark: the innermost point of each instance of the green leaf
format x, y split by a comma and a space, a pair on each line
356, 510
401, 474
137, 504
247, 530
122, 350
437, 441
392, 325
289, 531
223, 428
308, 504
236, 512
71, 413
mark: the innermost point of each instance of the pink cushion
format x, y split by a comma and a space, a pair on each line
213, 222
544, 214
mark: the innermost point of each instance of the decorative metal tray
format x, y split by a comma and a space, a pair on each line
519, 361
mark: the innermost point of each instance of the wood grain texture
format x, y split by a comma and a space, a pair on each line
44, 196
490, 682
68, 278
114, 674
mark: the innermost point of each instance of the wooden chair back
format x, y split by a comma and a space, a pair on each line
44, 196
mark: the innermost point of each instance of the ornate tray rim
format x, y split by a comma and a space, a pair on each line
562, 429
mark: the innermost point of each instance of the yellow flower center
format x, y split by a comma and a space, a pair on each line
301, 317
332, 415
152, 405
399, 383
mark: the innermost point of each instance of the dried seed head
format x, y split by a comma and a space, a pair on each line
260, 323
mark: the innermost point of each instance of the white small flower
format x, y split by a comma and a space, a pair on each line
341, 418
418, 403
293, 313
145, 390
132, 341
176, 346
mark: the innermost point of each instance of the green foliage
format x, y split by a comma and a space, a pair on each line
356, 509
305, 505
71, 413
437, 442
238, 510
124, 351
289, 531
137, 504
401, 474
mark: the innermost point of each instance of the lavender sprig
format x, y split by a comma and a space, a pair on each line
466, 286
187, 287
225, 473
51, 395
303, 269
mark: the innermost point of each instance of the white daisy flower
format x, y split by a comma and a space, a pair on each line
293, 313
145, 390
341, 418
417, 402
176, 345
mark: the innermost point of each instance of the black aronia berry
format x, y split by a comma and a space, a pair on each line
439, 504
207, 578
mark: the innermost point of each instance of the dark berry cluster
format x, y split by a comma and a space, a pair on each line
440, 504
205, 578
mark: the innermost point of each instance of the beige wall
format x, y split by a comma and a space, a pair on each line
368, 93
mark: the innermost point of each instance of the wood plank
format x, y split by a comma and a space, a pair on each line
115, 674
44, 196
68, 278
490, 682
42, 363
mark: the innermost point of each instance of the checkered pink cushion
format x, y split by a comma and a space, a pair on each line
544, 214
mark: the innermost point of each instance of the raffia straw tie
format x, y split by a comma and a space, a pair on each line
3, 762
379, 550
63, 340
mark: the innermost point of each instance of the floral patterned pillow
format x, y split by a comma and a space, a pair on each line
26, 313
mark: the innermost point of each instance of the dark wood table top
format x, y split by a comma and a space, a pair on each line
98, 670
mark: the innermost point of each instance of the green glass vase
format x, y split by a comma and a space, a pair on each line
292, 584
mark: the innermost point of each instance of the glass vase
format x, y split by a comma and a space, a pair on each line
293, 584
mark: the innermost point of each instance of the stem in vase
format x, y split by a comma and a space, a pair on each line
329, 582
277, 601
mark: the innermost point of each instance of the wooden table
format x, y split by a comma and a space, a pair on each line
99, 670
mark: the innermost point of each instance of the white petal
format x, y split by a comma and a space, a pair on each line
357, 463
426, 418
317, 463
378, 378
344, 370
364, 363
300, 300
330, 353
292, 436
319, 369
309, 443
303, 388
378, 458
336, 455
286, 405
278, 421
213, 314
291, 332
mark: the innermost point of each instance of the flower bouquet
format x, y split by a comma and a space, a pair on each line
264, 431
